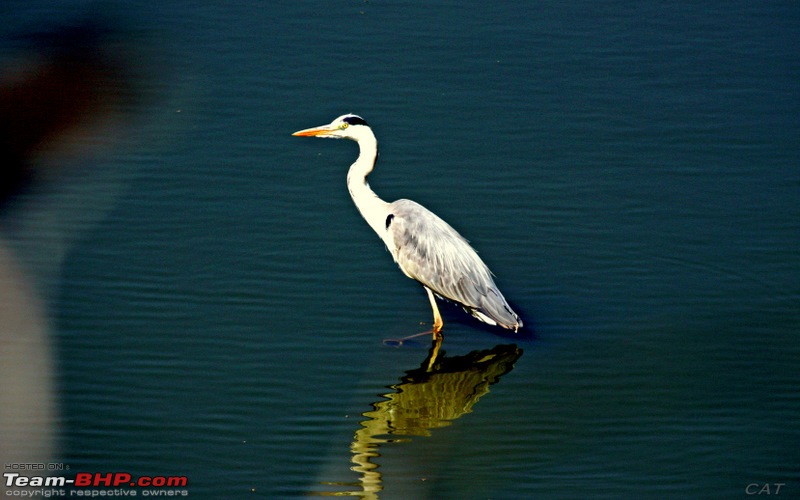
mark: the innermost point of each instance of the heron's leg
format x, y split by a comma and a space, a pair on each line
436, 331
437, 318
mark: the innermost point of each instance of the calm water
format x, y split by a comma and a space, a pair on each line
629, 172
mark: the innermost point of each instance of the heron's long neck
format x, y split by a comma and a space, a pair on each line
373, 209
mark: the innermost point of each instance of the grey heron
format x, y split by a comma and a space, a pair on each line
424, 246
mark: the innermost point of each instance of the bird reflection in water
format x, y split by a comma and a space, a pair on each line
441, 390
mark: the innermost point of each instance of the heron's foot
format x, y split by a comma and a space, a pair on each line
436, 332
402, 341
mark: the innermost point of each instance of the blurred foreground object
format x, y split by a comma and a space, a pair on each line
66, 85
27, 407
59, 99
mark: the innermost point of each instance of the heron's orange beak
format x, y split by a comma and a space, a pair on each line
311, 132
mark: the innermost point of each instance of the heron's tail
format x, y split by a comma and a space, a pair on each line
494, 310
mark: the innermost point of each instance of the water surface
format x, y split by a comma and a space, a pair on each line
629, 173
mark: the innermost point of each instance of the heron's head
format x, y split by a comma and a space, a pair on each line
345, 127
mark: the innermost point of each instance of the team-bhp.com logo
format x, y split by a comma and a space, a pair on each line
87, 484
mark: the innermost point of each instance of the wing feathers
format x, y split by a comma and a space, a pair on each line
430, 251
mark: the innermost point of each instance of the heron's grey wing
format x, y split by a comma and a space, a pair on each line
430, 251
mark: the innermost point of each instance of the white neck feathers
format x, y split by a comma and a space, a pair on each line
373, 209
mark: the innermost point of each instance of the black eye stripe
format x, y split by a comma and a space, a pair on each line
355, 120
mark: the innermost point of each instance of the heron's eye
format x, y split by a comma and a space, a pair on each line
344, 125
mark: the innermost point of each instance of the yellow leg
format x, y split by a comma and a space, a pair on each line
437, 318
437, 330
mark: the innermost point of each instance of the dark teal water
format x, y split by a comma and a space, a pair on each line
629, 172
